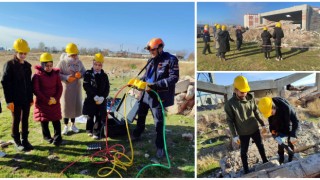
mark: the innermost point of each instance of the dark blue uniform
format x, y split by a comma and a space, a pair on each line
163, 71
206, 40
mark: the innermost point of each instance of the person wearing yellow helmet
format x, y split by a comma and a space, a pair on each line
161, 75
224, 45
242, 118
283, 123
217, 40
206, 40
96, 85
47, 88
71, 71
266, 43
277, 36
17, 88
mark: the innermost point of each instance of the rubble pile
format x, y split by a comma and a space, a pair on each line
308, 144
293, 35
184, 100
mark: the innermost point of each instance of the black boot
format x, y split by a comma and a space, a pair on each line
25, 143
281, 158
17, 142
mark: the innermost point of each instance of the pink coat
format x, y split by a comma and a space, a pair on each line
44, 87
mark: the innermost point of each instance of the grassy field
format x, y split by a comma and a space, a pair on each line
250, 58
35, 164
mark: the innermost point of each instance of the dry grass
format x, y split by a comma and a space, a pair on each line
314, 107
119, 65
206, 164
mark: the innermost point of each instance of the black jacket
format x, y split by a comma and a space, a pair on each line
239, 33
278, 35
95, 85
224, 38
206, 37
284, 118
16, 82
266, 41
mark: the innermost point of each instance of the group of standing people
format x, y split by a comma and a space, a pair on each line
222, 38
53, 86
266, 41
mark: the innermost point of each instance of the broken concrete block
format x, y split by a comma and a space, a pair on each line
182, 86
310, 165
180, 97
190, 92
266, 166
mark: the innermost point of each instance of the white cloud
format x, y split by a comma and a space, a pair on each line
8, 35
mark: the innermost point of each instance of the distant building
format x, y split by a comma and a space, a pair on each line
251, 20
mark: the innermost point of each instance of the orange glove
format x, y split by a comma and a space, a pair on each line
77, 75
52, 101
71, 79
10, 106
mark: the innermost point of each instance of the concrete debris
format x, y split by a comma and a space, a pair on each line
187, 136
308, 139
293, 35
184, 99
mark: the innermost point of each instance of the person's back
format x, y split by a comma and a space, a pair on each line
224, 39
278, 34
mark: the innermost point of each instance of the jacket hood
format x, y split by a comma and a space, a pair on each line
40, 70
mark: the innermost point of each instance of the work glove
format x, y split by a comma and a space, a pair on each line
10, 106
77, 75
279, 140
101, 99
52, 101
293, 140
264, 130
96, 98
71, 79
150, 86
236, 140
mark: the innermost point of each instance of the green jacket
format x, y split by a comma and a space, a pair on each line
242, 115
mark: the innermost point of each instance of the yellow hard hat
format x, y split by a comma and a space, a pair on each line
99, 57
224, 27
218, 26
71, 48
265, 106
278, 24
241, 83
265, 28
21, 45
46, 57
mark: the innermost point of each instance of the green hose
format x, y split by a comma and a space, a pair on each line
164, 140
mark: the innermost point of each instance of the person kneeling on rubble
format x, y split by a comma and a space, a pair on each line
162, 73
281, 116
96, 84
242, 117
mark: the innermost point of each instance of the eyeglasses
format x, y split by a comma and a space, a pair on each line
153, 49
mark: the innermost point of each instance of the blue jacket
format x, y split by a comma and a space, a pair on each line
166, 77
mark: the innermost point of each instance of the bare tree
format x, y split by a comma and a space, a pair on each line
42, 46
191, 57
